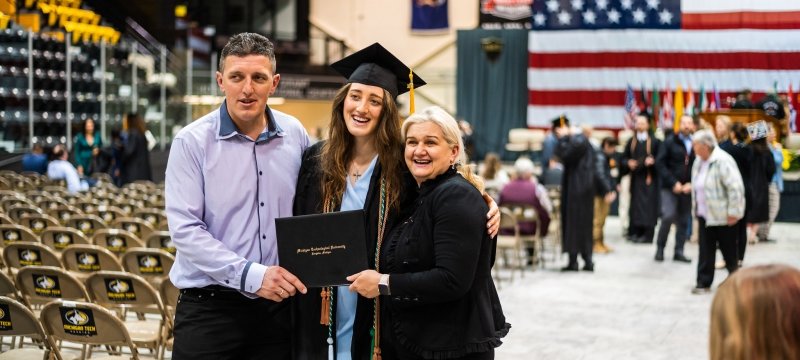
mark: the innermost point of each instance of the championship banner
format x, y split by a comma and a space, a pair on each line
429, 16
505, 14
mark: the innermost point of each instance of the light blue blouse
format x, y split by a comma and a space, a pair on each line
354, 198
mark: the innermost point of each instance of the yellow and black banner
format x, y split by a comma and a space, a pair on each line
119, 290
86, 227
28, 257
10, 236
5, 318
149, 264
78, 322
87, 261
46, 285
117, 244
61, 241
167, 245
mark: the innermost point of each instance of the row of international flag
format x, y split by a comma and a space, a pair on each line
665, 106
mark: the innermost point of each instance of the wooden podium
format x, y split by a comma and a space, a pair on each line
746, 116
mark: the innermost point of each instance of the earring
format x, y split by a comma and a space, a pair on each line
453, 165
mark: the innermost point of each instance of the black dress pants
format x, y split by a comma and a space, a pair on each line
741, 238
220, 323
710, 238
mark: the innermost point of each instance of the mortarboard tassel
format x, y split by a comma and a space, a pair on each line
411, 92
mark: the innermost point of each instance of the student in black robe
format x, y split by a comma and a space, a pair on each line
577, 194
639, 159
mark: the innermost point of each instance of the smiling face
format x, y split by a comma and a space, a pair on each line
362, 109
247, 82
427, 153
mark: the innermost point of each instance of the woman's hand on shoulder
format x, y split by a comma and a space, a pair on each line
493, 224
365, 283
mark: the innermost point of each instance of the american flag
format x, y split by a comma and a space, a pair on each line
584, 53
631, 109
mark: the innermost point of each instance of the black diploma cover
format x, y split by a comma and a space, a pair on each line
323, 249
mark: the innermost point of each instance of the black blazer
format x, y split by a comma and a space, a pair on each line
135, 158
309, 336
673, 162
443, 302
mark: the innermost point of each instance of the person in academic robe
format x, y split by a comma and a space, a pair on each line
577, 193
736, 147
639, 159
359, 166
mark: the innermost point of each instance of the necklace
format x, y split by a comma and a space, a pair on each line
355, 171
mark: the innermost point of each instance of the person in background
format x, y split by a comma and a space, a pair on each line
775, 186
674, 163
524, 190
762, 169
467, 136
549, 145
438, 299
742, 154
577, 194
86, 145
135, 159
61, 169
494, 177
722, 128
36, 160
718, 193
639, 159
744, 100
606, 187
756, 315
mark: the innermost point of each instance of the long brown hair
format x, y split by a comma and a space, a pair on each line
134, 121
337, 152
491, 165
756, 315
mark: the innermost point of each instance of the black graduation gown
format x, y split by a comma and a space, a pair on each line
743, 155
309, 336
577, 193
761, 170
644, 208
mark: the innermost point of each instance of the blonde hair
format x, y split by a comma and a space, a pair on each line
452, 134
756, 315
725, 119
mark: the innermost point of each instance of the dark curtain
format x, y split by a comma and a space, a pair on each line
492, 95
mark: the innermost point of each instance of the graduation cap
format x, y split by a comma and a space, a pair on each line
376, 66
560, 121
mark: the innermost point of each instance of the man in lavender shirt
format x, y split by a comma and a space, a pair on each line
230, 174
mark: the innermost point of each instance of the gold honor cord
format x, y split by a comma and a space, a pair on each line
411, 91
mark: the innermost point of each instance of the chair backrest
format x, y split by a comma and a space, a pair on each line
63, 212
508, 222
161, 240
7, 287
16, 211
169, 295
149, 263
138, 227
13, 233
88, 206
59, 237
38, 222
16, 319
51, 203
22, 253
112, 289
116, 240
109, 213
152, 216
85, 323
41, 284
87, 258
4, 219
87, 224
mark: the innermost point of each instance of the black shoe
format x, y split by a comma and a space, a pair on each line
659, 255
570, 267
699, 290
768, 241
681, 258
588, 267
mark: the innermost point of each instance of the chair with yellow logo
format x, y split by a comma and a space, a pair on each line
62, 212
116, 290
86, 323
42, 284
38, 222
83, 260
21, 254
57, 238
116, 240
12, 233
142, 229
109, 213
161, 240
152, 216
16, 319
16, 211
87, 224
152, 264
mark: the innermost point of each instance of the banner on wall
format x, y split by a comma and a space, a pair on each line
505, 14
429, 16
